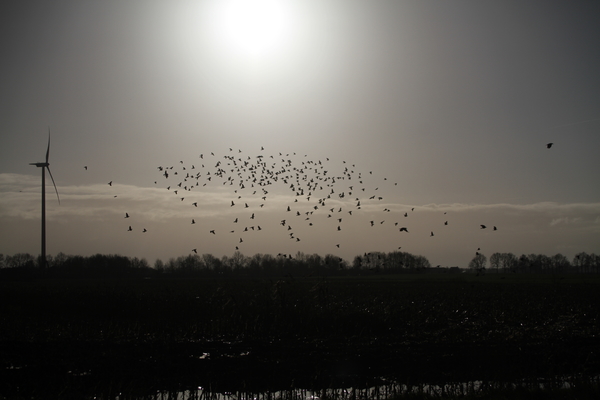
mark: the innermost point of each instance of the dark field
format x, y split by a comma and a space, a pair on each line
102, 337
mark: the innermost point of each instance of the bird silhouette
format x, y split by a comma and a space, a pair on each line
313, 181
549, 145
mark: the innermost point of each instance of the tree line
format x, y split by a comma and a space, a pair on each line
536, 263
259, 265
100, 265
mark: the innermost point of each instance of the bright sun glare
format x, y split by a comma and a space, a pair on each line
253, 27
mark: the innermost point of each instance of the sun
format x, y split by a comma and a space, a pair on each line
252, 27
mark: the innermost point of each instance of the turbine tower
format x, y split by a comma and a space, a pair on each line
44, 166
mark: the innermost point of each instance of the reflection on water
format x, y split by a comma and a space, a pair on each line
381, 392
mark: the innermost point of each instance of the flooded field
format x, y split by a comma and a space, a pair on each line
559, 386
298, 337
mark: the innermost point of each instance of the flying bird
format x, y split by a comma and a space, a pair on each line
483, 227
126, 215
549, 145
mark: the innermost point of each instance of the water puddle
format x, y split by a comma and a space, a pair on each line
381, 392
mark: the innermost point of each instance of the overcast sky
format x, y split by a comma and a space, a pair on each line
441, 106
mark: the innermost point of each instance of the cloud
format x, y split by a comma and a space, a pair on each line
566, 220
91, 219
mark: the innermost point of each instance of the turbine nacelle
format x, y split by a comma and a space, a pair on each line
47, 166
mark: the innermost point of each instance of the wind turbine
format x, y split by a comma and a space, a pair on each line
44, 166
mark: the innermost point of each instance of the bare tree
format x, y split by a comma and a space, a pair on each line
560, 263
582, 262
478, 263
496, 261
509, 262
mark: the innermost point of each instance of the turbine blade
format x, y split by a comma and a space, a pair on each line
51, 177
48, 149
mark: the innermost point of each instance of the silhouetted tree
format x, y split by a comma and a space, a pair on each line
357, 263
582, 262
560, 263
421, 262
159, 265
20, 260
496, 261
236, 262
59, 259
508, 262
334, 263
595, 261
212, 263
478, 262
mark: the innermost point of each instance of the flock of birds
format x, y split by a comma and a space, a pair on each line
317, 192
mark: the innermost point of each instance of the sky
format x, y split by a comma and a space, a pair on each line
400, 114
